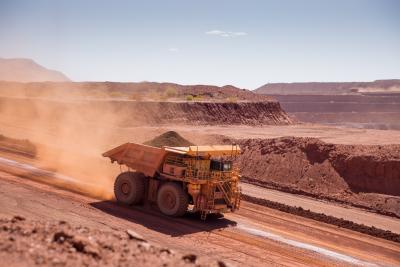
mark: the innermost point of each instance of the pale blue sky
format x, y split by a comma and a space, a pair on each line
244, 43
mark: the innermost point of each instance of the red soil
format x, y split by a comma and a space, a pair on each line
132, 113
367, 176
27, 243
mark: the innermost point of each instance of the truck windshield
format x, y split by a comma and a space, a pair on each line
221, 165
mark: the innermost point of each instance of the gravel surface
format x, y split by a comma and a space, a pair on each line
26, 243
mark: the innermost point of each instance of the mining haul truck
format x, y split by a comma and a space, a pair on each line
178, 179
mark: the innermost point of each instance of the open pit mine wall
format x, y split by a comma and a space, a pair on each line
313, 166
131, 113
369, 174
245, 113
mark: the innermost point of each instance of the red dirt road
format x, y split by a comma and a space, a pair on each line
339, 211
255, 236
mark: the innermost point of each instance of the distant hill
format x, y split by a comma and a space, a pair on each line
27, 70
329, 88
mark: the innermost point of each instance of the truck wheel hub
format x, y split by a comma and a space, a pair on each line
125, 188
169, 200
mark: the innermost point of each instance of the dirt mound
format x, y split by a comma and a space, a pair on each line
170, 138
28, 243
367, 176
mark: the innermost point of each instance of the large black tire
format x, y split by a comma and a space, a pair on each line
129, 188
172, 200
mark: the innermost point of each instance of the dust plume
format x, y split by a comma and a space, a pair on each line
71, 133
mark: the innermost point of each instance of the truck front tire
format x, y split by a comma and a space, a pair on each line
129, 188
172, 200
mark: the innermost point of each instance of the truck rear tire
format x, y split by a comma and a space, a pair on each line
172, 200
129, 188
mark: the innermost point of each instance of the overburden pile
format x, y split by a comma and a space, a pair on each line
367, 176
170, 138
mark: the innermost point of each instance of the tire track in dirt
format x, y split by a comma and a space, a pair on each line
369, 230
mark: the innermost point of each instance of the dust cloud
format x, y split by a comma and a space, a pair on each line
70, 134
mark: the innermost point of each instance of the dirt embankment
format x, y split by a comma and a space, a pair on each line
367, 176
255, 113
133, 113
28, 243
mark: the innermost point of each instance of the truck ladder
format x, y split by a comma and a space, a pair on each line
225, 188
237, 198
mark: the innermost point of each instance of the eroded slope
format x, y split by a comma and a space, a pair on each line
131, 113
368, 176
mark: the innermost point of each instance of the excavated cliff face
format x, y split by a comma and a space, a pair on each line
245, 113
130, 113
364, 175
316, 166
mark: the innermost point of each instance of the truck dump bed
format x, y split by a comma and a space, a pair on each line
142, 158
149, 159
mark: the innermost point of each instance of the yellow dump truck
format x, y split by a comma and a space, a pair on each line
178, 179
